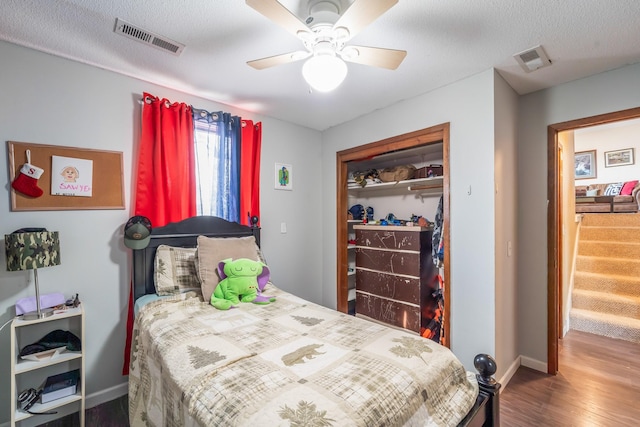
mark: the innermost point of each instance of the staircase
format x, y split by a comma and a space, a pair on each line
606, 289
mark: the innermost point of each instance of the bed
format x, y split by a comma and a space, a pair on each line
289, 363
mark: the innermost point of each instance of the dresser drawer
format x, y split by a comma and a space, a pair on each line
408, 263
405, 289
392, 239
388, 311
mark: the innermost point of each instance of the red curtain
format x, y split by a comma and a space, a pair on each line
250, 170
166, 182
166, 186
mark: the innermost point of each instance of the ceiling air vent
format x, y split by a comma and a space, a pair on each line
532, 59
146, 37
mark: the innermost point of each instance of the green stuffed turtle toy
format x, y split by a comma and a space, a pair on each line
242, 280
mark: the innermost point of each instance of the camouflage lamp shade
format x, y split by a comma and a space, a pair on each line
30, 251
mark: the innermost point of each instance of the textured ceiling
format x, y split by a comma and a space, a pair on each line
446, 41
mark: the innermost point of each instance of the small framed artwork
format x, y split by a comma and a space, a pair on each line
619, 158
284, 177
585, 164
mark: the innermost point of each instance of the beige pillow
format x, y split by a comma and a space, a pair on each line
212, 250
175, 270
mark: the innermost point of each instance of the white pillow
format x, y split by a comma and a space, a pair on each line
175, 270
613, 189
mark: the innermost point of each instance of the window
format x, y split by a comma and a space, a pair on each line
207, 156
217, 158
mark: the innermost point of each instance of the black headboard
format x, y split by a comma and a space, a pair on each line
182, 234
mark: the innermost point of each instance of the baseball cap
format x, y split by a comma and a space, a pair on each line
137, 232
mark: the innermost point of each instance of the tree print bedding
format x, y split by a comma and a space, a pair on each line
289, 363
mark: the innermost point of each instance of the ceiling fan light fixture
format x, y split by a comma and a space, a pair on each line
349, 53
324, 73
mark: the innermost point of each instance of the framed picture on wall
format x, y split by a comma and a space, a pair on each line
618, 158
284, 177
585, 164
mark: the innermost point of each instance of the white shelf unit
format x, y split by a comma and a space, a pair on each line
351, 271
26, 374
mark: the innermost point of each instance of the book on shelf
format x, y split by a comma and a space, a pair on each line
61, 385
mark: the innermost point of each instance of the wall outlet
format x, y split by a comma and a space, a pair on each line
283, 227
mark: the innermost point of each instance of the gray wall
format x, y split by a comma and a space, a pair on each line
603, 93
467, 106
506, 175
50, 100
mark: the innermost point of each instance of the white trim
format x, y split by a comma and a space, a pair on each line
106, 395
31, 171
566, 310
510, 373
533, 364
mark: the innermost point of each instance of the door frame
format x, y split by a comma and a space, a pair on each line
419, 138
554, 224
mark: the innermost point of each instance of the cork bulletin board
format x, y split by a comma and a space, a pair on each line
107, 181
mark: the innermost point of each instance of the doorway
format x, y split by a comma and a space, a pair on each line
438, 134
555, 220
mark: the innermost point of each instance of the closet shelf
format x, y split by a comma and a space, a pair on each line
435, 182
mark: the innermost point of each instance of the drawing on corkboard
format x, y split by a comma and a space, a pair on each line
43, 177
71, 176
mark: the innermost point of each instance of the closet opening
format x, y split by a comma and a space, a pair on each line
419, 196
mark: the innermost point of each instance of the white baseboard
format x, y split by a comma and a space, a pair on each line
102, 396
533, 364
510, 373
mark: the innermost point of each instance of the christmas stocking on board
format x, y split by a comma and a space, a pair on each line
27, 180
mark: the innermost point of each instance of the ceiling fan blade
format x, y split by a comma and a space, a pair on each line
272, 61
362, 13
279, 14
375, 56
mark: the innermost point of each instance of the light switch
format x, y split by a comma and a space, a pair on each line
283, 227
509, 249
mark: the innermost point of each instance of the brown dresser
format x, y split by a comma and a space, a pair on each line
395, 275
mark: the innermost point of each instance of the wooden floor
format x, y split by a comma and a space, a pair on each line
114, 413
598, 384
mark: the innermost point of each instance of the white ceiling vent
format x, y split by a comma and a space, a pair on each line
146, 37
532, 59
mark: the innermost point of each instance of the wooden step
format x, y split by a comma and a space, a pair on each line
611, 283
615, 219
604, 265
605, 324
610, 234
602, 302
609, 249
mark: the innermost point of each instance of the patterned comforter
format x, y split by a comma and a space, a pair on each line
289, 363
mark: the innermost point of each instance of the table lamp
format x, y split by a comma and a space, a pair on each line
31, 250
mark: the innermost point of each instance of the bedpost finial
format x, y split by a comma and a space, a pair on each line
486, 366
254, 221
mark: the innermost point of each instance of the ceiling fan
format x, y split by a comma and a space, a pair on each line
325, 35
